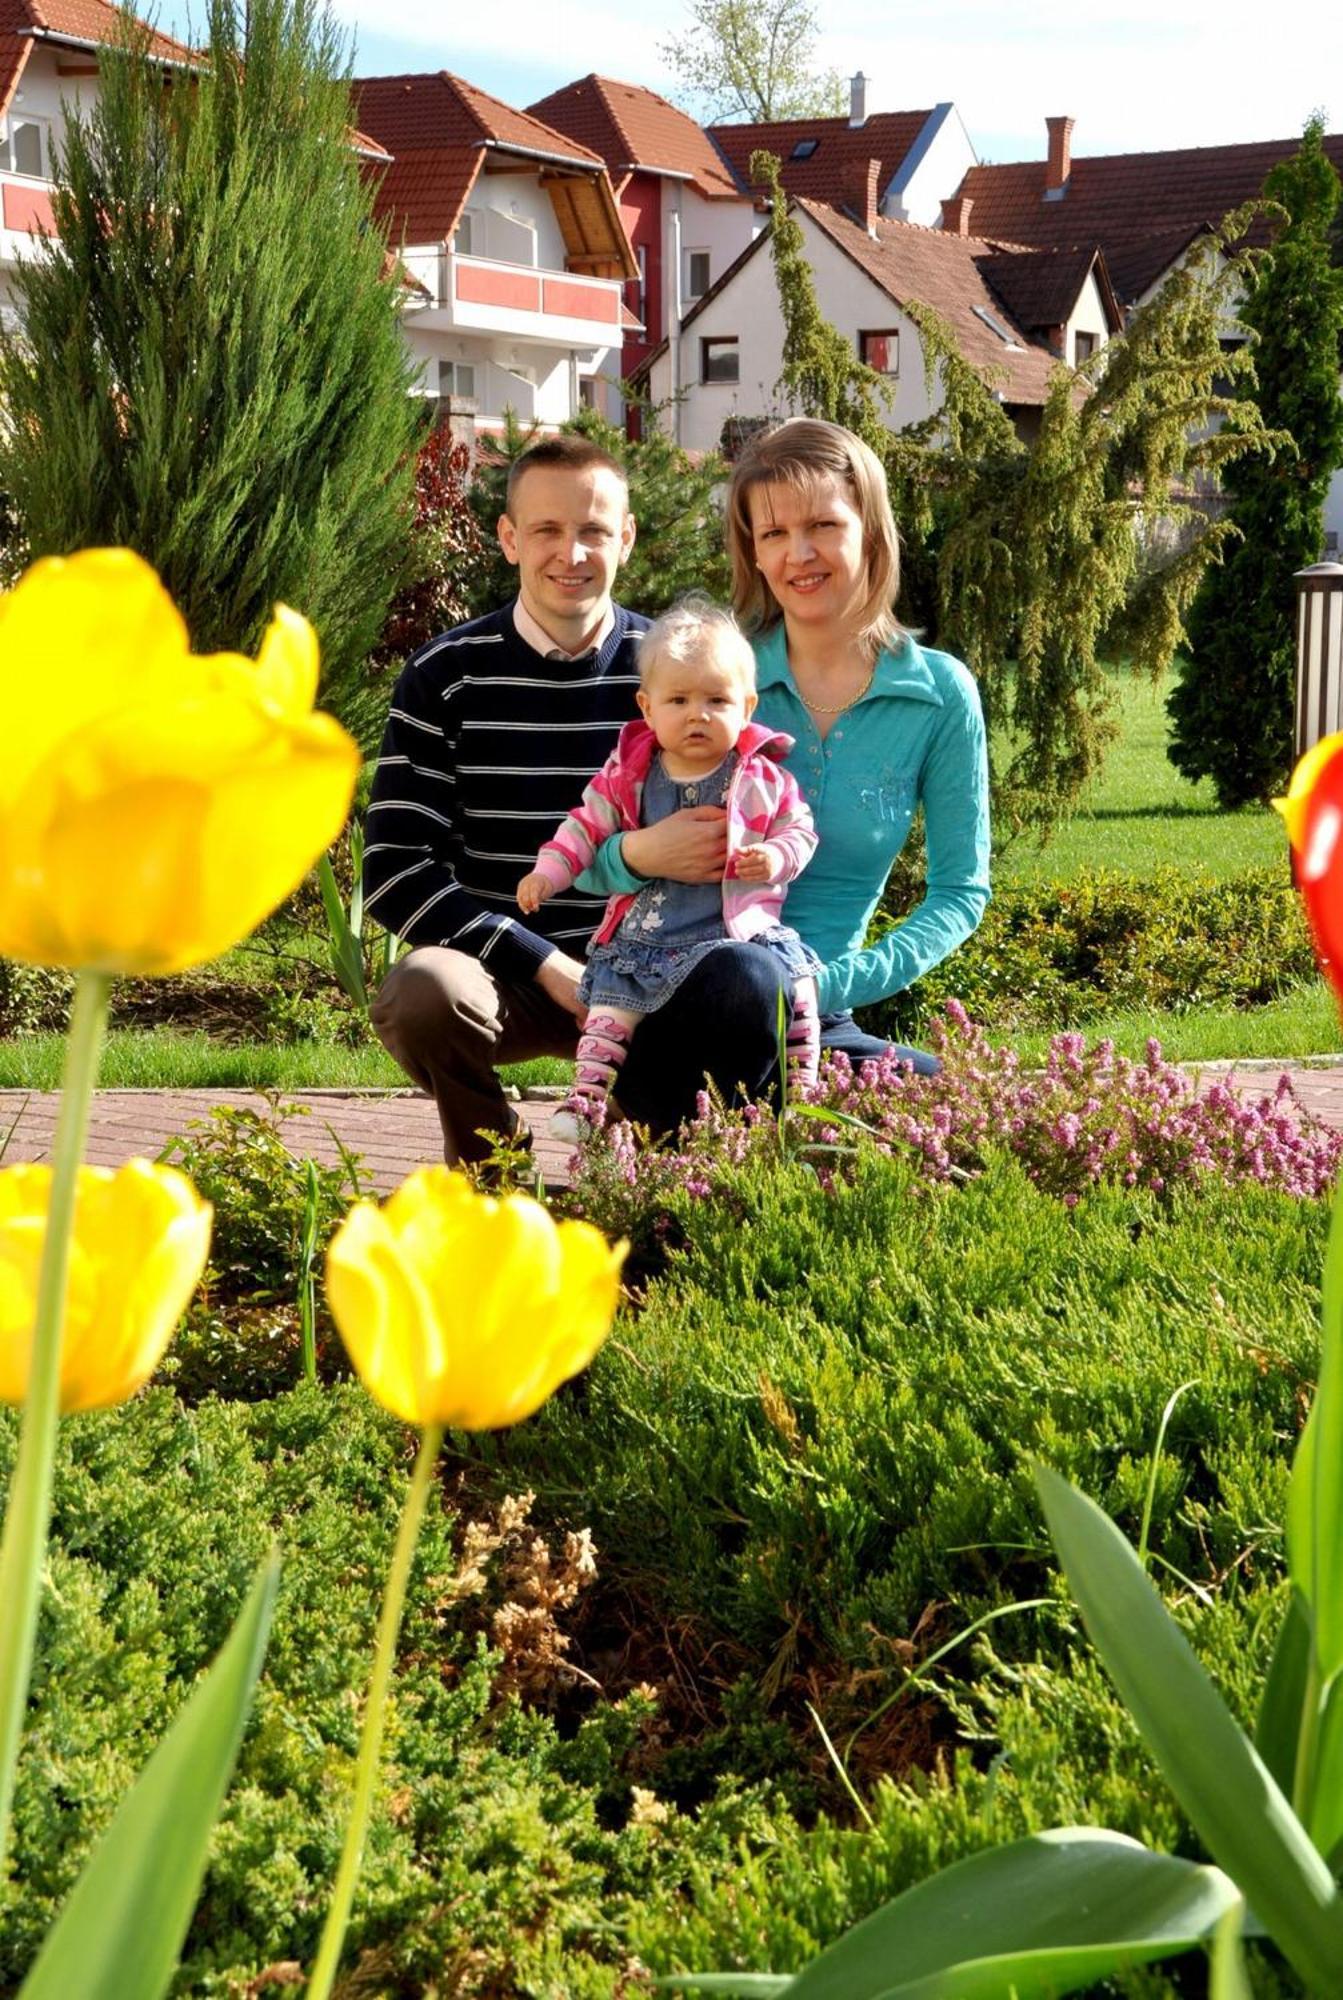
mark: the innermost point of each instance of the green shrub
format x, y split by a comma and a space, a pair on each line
33, 998
822, 1423
500, 1859
241, 1333
1059, 955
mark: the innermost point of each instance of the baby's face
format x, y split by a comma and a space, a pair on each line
697, 708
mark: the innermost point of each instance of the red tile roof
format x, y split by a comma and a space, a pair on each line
1040, 288
632, 127
931, 267
1116, 199
841, 150
437, 128
23, 23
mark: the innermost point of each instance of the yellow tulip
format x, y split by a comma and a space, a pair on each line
155, 804
463, 1310
141, 1237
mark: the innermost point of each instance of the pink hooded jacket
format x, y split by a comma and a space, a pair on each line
763, 804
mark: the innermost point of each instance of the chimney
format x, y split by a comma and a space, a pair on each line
858, 99
956, 214
860, 192
1060, 165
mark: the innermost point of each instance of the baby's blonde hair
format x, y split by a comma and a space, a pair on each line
689, 628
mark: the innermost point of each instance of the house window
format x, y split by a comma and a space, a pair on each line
1084, 346
26, 147
881, 351
804, 149
587, 392
696, 273
719, 360
461, 240
458, 380
636, 289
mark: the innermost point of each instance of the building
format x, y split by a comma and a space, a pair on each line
48, 61
685, 215
1145, 210
511, 247
1016, 316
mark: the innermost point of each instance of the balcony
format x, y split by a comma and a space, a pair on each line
481, 295
25, 213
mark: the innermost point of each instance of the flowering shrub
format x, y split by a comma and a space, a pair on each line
1089, 1117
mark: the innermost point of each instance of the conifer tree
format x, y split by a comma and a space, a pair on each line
1231, 710
1033, 561
210, 369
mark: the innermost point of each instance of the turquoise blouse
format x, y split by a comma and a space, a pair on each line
916, 738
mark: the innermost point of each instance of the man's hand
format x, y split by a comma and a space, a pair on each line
688, 846
533, 890
757, 864
558, 976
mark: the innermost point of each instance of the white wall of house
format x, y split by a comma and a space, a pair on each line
748, 309
932, 170
512, 220
43, 90
722, 228
1087, 316
533, 381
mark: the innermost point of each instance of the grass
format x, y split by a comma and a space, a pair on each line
1303, 1023
167, 1059
1140, 815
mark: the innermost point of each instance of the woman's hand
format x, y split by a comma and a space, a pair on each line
688, 846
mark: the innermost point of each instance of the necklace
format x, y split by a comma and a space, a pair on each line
819, 708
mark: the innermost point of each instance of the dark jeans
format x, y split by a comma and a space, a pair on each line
841, 1032
450, 1025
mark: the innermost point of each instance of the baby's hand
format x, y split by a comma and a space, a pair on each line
533, 890
757, 864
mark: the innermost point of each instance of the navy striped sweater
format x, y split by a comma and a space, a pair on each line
488, 745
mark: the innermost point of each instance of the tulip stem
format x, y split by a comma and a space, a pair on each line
27, 1516
370, 1742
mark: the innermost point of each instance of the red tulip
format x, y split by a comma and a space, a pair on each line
1313, 810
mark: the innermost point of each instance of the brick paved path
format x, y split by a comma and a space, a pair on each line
397, 1130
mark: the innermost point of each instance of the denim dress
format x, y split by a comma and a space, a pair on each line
671, 926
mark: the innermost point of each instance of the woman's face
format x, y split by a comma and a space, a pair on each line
808, 545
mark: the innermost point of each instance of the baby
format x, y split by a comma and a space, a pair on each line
696, 746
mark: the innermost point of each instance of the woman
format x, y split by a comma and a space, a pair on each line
881, 725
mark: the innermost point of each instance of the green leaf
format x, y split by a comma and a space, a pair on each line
1227, 1979
1210, 1764
1277, 1729
1315, 1496
1326, 1796
347, 957
120, 1931
1045, 1915
745, 1984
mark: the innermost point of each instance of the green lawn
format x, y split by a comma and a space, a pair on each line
1141, 815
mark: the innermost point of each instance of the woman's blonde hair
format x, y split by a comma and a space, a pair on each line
801, 453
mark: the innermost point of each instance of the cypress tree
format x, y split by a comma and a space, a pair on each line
1231, 710
210, 369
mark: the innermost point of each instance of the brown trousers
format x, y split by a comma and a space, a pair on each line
450, 1023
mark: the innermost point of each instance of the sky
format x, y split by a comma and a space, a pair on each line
1137, 77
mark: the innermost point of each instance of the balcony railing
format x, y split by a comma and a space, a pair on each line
25, 212
526, 302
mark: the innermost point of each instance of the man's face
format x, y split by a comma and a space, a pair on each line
568, 532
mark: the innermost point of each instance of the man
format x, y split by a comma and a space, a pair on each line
495, 728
